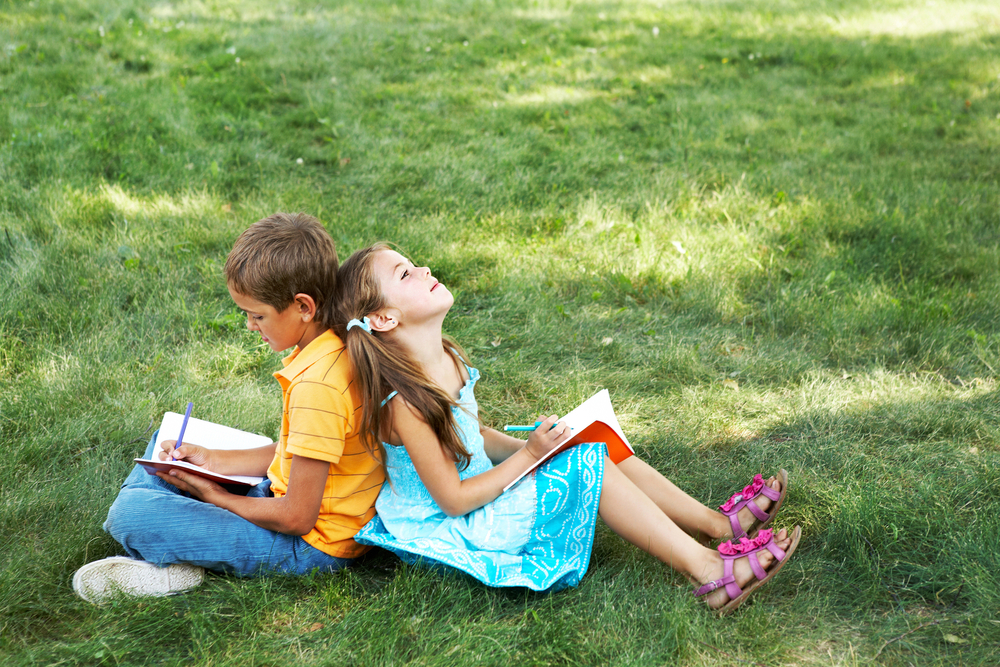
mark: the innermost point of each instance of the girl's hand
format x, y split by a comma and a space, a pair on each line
544, 438
194, 454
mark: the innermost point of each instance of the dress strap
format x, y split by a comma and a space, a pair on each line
468, 368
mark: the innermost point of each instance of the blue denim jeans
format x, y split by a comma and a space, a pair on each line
156, 522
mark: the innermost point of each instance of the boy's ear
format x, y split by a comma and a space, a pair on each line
383, 322
305, 305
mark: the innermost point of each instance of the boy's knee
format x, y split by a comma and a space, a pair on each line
118, 515
131, 512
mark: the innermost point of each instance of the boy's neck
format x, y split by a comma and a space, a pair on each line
313, 331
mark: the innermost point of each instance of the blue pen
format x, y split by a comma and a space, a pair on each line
510, 427
184, 424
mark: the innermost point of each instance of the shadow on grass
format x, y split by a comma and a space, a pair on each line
897, 498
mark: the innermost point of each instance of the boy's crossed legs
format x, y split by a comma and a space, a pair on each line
159, 525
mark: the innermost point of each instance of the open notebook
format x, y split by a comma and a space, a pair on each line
206, 434
593, 421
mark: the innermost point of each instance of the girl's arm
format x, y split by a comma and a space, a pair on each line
437, 470
499, 446
295, 513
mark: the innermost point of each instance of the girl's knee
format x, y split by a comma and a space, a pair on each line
612, 474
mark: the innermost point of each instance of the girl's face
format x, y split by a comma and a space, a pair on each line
410, 290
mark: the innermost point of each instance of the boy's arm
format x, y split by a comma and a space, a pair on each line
295, 513
313, 409
253, 462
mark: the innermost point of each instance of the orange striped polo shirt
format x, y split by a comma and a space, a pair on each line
319, 421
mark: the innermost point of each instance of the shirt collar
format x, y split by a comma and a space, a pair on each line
299, 360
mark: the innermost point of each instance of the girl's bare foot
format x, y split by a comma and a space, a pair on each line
745, 516
741, 569
766, 507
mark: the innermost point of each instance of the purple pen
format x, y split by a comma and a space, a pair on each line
180, 436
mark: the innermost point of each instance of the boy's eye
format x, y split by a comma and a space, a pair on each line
405, 273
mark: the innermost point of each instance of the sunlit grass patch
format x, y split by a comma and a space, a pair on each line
967, 18
550, 95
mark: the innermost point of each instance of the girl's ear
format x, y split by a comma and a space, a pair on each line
305, 306
383, 322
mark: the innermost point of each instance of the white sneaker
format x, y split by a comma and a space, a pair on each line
100, 580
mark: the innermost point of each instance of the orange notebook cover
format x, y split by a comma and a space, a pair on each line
593, 421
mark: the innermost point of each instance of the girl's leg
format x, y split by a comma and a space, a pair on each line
628, 511
688, 513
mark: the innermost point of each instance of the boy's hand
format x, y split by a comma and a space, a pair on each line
544, 438
199, 487
194, 454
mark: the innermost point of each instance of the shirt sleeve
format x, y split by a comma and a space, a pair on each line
318, 421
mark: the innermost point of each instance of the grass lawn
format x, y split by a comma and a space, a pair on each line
770, 228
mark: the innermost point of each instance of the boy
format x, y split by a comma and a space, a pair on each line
321, 483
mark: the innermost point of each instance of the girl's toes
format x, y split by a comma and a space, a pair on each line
747, 518
741, 568
742, 571
782, 539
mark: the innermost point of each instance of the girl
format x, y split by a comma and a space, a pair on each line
445, 503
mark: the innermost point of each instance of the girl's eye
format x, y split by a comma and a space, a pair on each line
405, 273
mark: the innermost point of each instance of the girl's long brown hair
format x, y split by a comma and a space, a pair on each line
382, 366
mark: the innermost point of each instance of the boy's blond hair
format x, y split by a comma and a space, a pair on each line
283, 255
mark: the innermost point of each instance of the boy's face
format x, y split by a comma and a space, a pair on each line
280, 330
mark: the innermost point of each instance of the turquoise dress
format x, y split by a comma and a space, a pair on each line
538, 535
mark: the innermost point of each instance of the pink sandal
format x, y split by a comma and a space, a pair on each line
745, 549
745, 498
